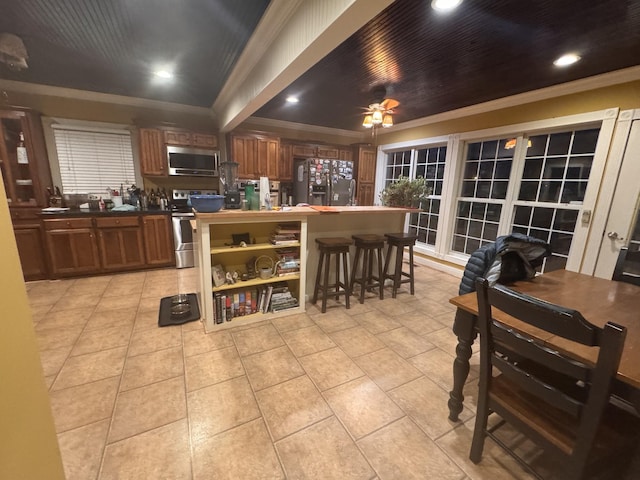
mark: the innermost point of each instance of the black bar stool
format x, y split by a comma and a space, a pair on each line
399, 241
366, 246
339, 246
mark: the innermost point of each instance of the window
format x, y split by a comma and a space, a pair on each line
92, 160
485, 179
428, 163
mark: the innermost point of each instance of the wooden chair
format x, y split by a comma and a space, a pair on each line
561, 404
621, 272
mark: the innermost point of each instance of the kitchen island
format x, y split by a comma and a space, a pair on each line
218, 253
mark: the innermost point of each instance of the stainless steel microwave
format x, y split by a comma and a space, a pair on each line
197, 162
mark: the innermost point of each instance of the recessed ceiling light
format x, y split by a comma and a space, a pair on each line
292, 99
164, 74
567, 59
445, 5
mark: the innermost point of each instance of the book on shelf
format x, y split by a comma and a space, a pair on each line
228, 309
291, 227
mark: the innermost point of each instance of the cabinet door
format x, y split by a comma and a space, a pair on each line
367, 165
153, 160
158, 240
285, 166
328, 152
72, 252
23, 160
121, 248
305, 151
31, 251
268, 157
346, 154
203, 140
365, 194
244, 150
177, 137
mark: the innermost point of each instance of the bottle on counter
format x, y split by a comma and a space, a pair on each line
101, 204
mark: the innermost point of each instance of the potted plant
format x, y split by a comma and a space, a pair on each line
405, 192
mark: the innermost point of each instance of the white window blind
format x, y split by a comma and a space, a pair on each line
91, 161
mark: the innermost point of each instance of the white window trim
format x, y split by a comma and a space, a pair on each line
456, 143
48, 125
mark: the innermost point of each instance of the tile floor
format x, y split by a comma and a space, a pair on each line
349, 394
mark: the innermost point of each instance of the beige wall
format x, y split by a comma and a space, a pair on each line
28, 445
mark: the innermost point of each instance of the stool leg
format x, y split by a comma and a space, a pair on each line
337, 275
364, 282
398, 273
325, 289
318, 273
347, 293
354, 270
411, 269
387, 257
380, 276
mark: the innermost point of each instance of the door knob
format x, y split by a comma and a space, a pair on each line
614, 236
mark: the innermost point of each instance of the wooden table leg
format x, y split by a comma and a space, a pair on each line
464, 328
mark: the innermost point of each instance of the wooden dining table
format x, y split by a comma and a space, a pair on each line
598, 300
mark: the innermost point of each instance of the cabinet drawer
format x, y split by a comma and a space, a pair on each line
117, 222
25, 213
64, 223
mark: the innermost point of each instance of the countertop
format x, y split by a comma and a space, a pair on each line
296, 211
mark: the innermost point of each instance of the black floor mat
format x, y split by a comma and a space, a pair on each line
165, 318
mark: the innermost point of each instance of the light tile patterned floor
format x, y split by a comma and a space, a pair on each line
349, 394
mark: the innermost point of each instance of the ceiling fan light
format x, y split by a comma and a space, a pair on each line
376, 117
387, 121
368, 121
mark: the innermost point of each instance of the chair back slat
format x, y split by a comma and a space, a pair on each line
512, 342
627, 267
555, 319
538, 387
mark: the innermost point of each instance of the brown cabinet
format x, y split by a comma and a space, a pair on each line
328, 152
153, 142
285, 165
72, 247
158, 240
30, 241
153, 159
120, 243
366, 176
23, 158
345, 154
257, 155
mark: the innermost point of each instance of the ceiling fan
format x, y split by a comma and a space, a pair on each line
379, 113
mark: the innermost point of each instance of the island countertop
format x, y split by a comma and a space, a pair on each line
225, 215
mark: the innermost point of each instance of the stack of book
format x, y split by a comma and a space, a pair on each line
229, 305
288, 262
282, 299
286, 234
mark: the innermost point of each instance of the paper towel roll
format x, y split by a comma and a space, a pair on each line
265, 194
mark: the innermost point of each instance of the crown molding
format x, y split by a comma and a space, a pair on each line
582, 85
86, 95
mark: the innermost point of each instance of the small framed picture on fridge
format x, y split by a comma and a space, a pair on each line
218, 275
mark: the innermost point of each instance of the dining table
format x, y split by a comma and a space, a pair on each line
599, 300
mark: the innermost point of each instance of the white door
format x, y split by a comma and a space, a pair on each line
621, 221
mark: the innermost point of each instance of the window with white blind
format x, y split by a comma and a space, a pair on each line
91, 161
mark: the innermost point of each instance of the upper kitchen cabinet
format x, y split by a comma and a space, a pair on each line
285, 165
258, 155
153, 143
153, 159
23, 158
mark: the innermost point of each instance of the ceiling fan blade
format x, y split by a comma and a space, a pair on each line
389, 103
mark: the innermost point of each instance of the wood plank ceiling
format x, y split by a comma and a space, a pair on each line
431, 63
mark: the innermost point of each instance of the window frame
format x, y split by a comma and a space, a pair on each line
457, 144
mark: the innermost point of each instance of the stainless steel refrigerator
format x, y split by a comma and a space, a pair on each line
319, 181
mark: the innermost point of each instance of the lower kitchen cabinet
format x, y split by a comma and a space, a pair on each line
72, 247
365, 194
30, 242
158, 240
120, 243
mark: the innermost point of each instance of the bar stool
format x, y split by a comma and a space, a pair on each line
339, 246
399, 241
366, 246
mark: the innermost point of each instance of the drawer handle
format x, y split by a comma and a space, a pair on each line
68, 224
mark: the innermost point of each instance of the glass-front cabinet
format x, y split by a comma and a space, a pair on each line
23, 159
